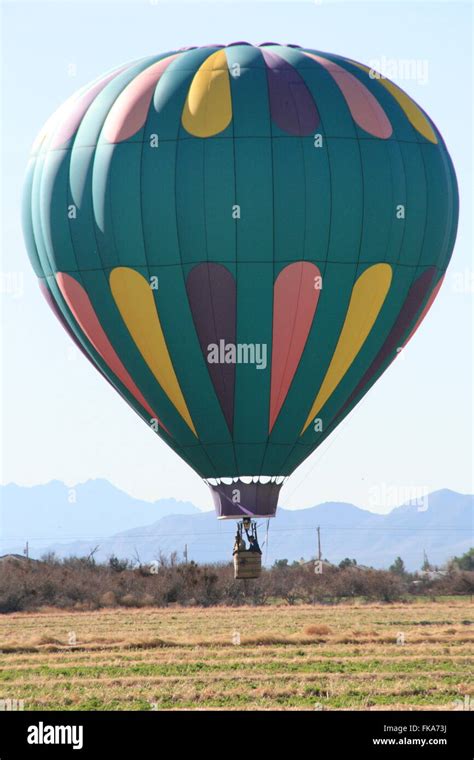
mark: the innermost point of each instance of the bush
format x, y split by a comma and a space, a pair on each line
108, 599
129, 601
81, 583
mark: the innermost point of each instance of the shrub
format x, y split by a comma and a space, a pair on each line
81, 583
108, 599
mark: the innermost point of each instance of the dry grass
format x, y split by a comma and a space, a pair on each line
305, 657
317, 630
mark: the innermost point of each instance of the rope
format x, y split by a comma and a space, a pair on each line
266, 541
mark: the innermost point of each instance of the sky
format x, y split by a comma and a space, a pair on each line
412, 433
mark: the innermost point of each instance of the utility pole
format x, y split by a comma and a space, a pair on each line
319, 543
186, 554
26, 551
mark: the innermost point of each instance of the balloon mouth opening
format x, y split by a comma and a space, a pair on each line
235, 498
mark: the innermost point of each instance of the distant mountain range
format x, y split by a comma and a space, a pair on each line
95, 509
69, 522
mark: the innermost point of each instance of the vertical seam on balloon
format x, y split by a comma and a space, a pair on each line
108, 195
107, 198
67, 226
337, 419
236, 279
208, 273
360, 396
154, 295
298, 298
356, 271
425, 225
102, 334
35, 191
395, 267
175, 53
147, 263
40, 177
29, 207
79, 272
300, 140
136, 283
207, 257
353, 284
303, 162
357, 263
449, 215
325, 263
75, 327
455, 202
445, 233
142, 226
365, 291
415, 267
175, 179
270, 124
31, 211
91, 169
417, 141
211, 301
279, 393
104, 268
395, 142
304, 233
452, 185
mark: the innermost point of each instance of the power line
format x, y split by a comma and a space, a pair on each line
306, 528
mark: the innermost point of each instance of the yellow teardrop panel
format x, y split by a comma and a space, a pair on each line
208, 107
368, 295
413, 112
134, 298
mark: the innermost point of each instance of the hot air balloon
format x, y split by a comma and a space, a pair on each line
241, 239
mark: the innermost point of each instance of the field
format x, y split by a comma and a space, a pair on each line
358, 656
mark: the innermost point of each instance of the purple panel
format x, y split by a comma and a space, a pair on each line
212, 298
291, 104
242, 42
415, 297
256, 499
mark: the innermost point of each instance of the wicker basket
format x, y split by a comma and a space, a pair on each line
247, 565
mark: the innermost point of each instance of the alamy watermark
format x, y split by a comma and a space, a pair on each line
11, 705
237, 353
406, 69
390, 496
464, 704
12, 284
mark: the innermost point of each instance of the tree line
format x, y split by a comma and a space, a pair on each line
81, 583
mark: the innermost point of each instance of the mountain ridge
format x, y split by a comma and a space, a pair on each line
441, 525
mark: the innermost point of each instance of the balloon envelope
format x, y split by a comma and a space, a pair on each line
241, 239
